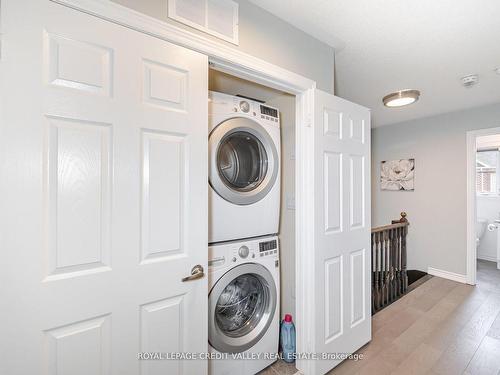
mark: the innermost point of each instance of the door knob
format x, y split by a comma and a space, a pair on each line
196, 273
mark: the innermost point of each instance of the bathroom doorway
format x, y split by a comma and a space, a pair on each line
483, 237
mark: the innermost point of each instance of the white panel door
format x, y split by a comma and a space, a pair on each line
104, 196
342, 228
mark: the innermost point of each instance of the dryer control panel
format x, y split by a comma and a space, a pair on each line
223, 103
269, 114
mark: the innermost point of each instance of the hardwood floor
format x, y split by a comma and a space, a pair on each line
442, 327
279, 368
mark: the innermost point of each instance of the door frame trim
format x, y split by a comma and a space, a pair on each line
230, 60
472, 135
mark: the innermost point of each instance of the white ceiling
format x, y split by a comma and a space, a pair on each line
388, 45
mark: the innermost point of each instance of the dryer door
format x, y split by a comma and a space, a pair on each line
243, 161
241, 306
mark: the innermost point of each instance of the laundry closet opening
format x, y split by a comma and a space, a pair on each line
251, 204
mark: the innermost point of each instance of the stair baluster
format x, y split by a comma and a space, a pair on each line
389, 277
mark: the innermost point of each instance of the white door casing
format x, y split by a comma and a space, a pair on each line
104, 196
342, 253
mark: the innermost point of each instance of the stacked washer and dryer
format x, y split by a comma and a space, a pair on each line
244, 208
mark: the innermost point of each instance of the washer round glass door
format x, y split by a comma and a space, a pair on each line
243, 161
241, 307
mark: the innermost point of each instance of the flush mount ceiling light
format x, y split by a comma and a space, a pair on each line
401, 98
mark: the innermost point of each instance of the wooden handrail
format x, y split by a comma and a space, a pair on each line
395, 224
389, 226
389, 278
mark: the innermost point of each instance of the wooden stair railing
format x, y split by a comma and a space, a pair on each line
389, 278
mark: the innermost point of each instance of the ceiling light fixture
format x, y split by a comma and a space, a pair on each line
401, 98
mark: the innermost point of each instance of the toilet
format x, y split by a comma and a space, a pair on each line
481, 224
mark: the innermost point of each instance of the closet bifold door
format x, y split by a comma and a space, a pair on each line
104, 147
342, 250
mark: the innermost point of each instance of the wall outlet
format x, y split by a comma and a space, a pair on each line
290, 202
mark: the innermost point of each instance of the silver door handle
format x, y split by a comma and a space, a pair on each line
196, 273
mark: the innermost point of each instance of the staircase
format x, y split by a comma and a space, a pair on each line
389, 274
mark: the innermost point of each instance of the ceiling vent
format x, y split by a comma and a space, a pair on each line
470, 80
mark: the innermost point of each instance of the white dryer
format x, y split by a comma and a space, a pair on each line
243, 306
244, 168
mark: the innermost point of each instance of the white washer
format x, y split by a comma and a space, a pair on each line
243, 305
244, 168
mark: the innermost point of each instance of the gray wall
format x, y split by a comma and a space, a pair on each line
263, 35
437, 208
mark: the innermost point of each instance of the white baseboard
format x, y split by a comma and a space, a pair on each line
487, 257
447, 275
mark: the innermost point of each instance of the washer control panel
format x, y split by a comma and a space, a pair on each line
243, 251
268, 248
233, 253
